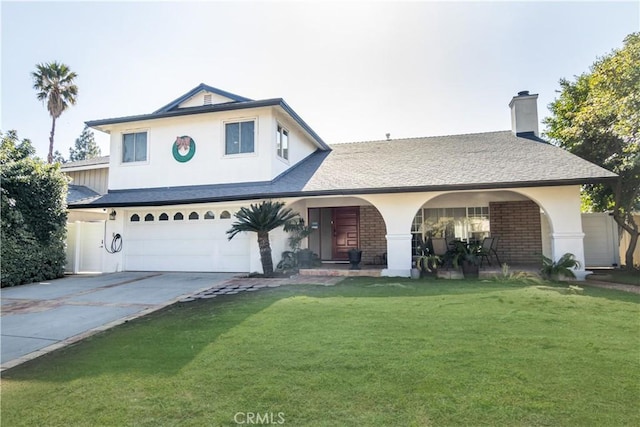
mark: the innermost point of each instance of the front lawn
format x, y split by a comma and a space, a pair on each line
367, 352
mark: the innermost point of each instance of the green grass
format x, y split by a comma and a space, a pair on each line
367, 352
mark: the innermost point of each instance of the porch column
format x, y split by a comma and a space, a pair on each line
568, 243
398, 255
562, 206
398, 211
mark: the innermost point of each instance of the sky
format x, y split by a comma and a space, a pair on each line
353, 70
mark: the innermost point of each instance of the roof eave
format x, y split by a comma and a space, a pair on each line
201, 87
105, 124
356, 191
84, 167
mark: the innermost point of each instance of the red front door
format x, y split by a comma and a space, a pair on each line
346, 223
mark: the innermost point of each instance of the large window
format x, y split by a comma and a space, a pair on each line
134, 147
450, 223
239, 137
282, 142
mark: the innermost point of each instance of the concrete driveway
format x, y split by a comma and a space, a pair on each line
41, 317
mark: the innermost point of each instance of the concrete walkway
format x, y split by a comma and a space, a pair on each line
42, 317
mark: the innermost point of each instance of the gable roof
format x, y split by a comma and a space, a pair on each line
201, 87
238, 103
492, 160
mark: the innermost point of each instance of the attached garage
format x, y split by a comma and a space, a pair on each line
182, 240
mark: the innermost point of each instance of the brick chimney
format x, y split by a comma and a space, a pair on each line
524, 113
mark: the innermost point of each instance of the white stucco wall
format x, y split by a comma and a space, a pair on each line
209, 165
561, 225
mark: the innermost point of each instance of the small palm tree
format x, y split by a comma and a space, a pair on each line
54, 83
261, 219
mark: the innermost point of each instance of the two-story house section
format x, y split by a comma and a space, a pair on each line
178, 174
207, 136
163, 163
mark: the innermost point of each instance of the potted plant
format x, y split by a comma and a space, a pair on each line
355, 256
305, 256
468, 258
561, 269
415, 272
428, 264
296, 257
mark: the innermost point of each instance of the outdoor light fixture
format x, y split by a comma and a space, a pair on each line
112, 214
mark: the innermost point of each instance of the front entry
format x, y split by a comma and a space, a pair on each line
345, 231
337, 232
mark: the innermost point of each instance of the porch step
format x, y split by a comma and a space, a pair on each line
365, 272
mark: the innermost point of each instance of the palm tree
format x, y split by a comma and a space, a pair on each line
54, 83
261, 219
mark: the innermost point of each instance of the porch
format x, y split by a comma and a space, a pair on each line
344, 270
390, 230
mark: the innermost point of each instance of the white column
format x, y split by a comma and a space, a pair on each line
562, 206
398, 255
398, 211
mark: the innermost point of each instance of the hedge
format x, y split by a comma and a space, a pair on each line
34, 215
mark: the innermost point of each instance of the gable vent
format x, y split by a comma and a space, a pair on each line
207, 99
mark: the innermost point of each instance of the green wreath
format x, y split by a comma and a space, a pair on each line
176, 150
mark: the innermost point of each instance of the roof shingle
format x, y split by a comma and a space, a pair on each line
443, 163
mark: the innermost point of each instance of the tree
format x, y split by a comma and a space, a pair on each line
261, 219
85, 147
33, 221
54, 83
58, 157
597, 117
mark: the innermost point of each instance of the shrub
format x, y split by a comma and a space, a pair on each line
33, 224
561, 268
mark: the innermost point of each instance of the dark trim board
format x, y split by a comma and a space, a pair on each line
231, 196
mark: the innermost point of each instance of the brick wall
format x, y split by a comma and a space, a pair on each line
517, 225
372, 234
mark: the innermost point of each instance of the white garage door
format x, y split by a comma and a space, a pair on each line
161, 241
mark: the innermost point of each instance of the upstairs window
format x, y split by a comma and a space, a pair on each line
134, 147
282, 143
239, 137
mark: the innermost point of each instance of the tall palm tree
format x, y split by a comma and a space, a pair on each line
54, 82
261, 219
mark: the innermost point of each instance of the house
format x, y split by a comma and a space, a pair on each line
177, 175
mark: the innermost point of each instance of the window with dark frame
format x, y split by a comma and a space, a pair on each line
239, 137
282, 143
134, 147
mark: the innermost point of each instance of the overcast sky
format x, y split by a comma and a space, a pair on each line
352, 70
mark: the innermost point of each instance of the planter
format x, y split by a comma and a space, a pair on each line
470, 270
415, 273
304, 258
428, 265
355, 256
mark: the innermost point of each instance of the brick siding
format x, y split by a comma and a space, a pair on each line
372, 234
517, 225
